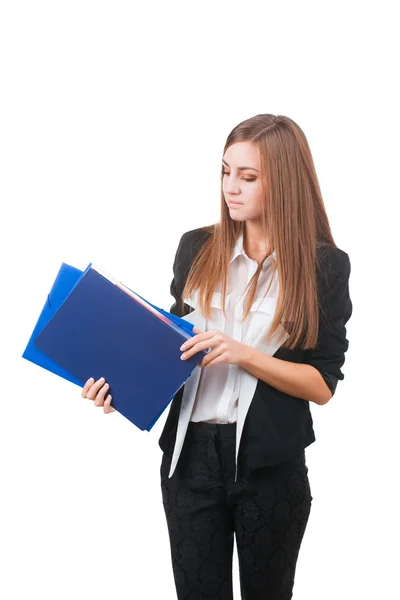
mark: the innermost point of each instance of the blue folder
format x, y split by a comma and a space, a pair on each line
90, 327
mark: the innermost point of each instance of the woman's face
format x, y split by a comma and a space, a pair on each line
241, 181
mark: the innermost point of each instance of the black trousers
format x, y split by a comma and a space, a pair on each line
267, 510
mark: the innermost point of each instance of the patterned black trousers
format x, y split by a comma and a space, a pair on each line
267, 511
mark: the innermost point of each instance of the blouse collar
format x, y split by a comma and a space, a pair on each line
239, 249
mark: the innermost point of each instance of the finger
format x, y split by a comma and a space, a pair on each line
196, 348
91, 394
87, 386
211, 357
196, 330
200, 337
107, 404
99, 400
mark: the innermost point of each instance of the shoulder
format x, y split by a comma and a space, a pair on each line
199, 234
189, 245
191, 241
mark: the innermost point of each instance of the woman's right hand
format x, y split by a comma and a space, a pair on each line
96, 390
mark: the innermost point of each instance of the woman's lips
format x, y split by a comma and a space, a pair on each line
235, 203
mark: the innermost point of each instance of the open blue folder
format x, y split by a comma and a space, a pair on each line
92, 327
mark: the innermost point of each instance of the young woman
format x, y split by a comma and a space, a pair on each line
268, 292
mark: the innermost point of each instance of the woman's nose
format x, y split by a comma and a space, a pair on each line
232, 186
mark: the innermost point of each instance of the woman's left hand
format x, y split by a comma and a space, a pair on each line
224, 349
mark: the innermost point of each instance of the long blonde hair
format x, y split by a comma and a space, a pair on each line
294, 222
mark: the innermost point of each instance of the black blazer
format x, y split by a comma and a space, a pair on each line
277, 425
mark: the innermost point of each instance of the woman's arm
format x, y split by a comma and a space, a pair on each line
299, 380
316, 378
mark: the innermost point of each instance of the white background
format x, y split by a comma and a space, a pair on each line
113, 121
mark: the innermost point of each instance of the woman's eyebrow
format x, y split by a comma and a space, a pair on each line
241, 168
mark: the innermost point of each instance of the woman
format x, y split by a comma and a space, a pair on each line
268, 292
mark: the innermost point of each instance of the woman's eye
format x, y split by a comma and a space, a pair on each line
246, 179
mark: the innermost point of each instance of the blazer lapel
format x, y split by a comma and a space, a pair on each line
256, 338
189, 391
249, 382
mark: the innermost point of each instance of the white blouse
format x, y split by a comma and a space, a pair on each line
219, 386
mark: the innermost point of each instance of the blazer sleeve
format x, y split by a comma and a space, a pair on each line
189, 245
180, 269
335, 310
